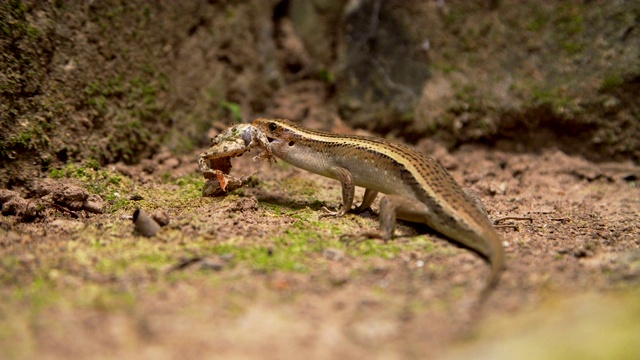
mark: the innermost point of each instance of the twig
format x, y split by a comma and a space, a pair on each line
564, 220
65, 210
518, 218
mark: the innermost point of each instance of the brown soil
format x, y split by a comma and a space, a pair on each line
579, 235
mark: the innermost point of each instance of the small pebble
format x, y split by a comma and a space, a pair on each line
94, 204
333, 254
161, 217
136, 197
245, 204
145, 225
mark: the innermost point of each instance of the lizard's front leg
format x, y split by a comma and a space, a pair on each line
348, 192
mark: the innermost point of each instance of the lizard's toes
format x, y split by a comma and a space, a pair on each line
331, 213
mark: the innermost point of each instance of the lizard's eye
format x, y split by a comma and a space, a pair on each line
272, 127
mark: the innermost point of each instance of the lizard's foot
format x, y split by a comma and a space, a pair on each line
266, 154
331, 213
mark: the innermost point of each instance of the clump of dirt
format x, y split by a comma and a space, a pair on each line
49, 195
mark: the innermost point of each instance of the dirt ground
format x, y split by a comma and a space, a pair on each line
256, 275
105, 106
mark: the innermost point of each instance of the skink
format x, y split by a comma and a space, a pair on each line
418, 188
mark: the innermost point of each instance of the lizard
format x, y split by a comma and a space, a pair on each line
418, 189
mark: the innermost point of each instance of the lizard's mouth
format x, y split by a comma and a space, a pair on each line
271, 139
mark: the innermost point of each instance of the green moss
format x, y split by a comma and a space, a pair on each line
569, 26
234, 109
31, 138
133, 109
290, 252
113, 86
327, 76
375, 248
105, 183
95, 165
115, 12
544, 96
147, 11
273, 209
116, 267
280, 258
39, 294
445, 67
572, 47
230, 14
556, 99
570, 18
538, 19
611, 82
156, 259
142, 90
105, 298
98, 93
301, 247
190, 186
298, 186
33, 33
14, 23
407, 116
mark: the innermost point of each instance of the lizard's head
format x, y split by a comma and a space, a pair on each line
276, 130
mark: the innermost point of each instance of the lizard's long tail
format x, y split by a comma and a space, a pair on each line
496, 260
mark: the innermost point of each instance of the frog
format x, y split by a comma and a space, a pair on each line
215, 163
